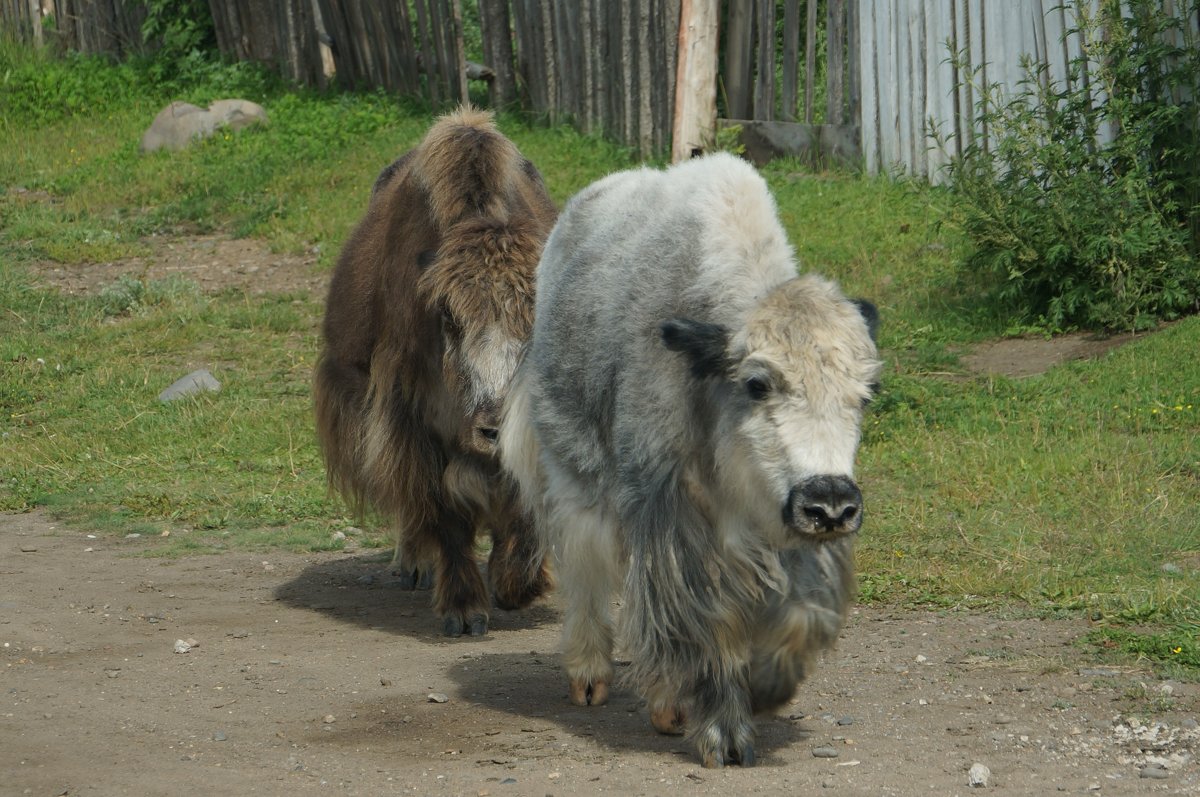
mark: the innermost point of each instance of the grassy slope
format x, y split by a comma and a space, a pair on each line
1071, 491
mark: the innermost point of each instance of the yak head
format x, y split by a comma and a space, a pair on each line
480, 284
788, 393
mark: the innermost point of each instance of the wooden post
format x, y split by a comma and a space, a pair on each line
695, 120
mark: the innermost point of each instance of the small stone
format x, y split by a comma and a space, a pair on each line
978, 775
199, 381
845, 721
181, 646
385, 681
824, 752
339, 536
1154, 773
329, 719
1189, 724
219, 736
437, 697
27, 548
921, 659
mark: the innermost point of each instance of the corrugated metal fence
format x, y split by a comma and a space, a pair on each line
910, 83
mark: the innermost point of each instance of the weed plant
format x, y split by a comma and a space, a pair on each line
1081, 202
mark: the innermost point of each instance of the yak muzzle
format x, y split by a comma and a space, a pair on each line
824, 506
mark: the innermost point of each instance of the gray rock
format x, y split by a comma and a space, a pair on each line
824, 752
236, 114
196, 382
1154, 773
180, 123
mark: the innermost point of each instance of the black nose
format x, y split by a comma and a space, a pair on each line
825, 504
490, 433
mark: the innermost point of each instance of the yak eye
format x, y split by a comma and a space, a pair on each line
757, 388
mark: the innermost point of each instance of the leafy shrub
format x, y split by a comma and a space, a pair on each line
185, 37
1083, 204
37, 90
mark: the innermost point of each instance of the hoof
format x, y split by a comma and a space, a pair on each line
414, 579
588, 693
744, 758
455, 625
668, 720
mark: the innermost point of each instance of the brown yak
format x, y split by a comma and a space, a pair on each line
429, 308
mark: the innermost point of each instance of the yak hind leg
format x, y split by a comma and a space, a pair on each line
460, 597
588, 577
516, 568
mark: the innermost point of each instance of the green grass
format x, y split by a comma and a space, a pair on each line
1070, 493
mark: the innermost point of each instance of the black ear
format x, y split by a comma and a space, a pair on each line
871, 315
703, 344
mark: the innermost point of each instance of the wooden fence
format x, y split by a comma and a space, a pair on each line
862, 80
110, 27
791, 83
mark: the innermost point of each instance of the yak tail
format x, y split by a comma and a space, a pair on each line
466, 167
518, 447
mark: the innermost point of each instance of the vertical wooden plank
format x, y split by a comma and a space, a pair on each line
428, 54
889, 89
695, 79
978, 134
764, 82
853, 59
901, 96
629, 69
738, 52
460, 50
587, 81
835, 60
868, 53
667, 27
810, 61
496, 34
646, 76
789, 94
918, 43
935, 19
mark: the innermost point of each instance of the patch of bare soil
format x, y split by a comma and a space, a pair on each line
313, 674
1018, 357
214, 262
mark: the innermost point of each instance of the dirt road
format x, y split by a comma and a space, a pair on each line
313, 674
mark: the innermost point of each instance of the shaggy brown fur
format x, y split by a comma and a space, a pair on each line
428, 309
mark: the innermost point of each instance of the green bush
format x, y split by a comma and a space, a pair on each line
1082, 205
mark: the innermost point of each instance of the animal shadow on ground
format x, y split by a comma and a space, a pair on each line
363, 590
533, 685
